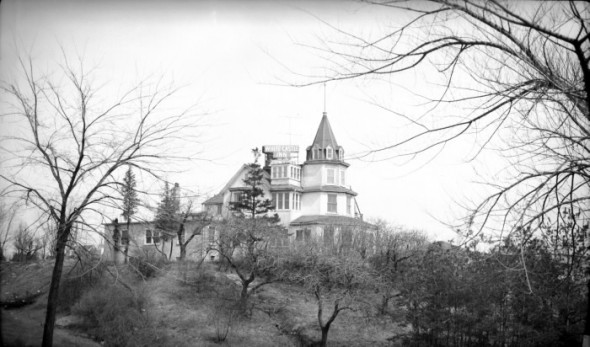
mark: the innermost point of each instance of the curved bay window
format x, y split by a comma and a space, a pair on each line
286, 171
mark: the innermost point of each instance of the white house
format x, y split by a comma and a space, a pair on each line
313, 199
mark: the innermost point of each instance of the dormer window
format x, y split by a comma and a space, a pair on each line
329, 153
341, 154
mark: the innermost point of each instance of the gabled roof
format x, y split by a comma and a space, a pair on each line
325, 136
218, 198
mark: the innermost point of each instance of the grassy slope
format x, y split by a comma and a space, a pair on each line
282, 315
191, 315
24, 326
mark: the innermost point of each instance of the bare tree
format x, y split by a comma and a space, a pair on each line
26, 244
248, 246
336, 281
522, 71
47, 240
202, 220
518, 74
7, 216
247, 238
70, 145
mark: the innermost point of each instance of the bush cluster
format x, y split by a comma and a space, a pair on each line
148, 263
84, 275
118, 317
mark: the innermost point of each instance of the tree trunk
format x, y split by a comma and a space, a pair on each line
244, 296
171, 247
324, 341
54, 287
586, 341
126, 241
182, 252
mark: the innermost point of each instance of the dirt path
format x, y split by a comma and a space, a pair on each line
24, 326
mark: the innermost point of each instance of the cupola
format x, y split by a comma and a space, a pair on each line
324, 146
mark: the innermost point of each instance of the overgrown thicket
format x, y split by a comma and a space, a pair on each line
516, 77
338, 282
86, 273
461, 297
118, 316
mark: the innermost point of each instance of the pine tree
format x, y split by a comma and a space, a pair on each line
130, 204
252, 202
167, 214
246, 236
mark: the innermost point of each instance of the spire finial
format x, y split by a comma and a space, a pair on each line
325, 112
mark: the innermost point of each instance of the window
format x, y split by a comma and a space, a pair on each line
151, 237
329, 152
237, 196
283, 201
348, 205
342, 178
333, 203
331, 179
303, 235
295, 173
341, 154
219, 209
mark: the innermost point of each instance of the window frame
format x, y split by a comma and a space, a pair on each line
334, 204
154, 236
333, 176
303, 235
348, 204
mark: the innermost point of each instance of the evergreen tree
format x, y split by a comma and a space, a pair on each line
167, 214
246, 236
252, 202
130, 204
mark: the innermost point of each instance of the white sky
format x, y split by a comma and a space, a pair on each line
229, 56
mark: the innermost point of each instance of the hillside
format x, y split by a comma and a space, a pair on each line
190, 307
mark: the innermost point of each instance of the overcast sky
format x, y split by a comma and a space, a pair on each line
230, 58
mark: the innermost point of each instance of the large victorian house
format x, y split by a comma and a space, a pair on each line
313, 199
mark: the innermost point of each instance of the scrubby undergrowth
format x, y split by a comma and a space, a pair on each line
192, 304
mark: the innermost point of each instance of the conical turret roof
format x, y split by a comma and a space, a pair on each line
325, 136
